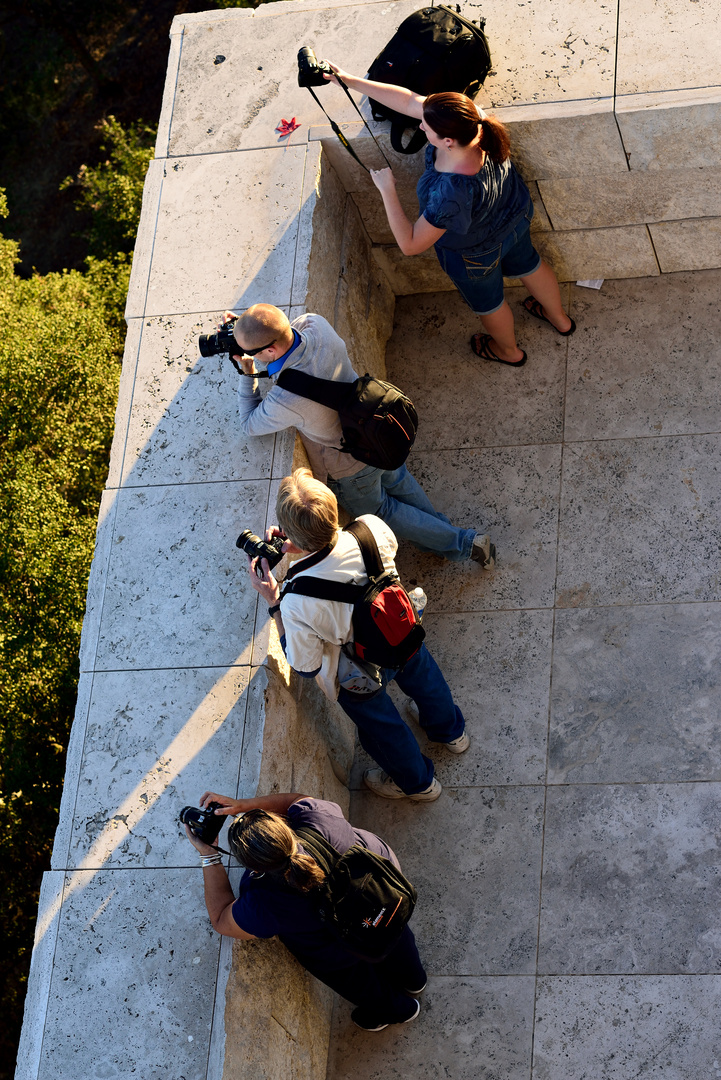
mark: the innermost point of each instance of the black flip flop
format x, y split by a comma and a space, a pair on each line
480, 346
536, 309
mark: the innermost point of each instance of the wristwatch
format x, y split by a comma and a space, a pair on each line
272, 610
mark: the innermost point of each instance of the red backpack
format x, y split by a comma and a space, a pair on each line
386, 630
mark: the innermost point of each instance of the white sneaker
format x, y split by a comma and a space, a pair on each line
381, 783
459, 745
483, 551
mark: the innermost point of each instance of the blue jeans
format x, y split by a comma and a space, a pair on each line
384, 734
399, 500
478, 273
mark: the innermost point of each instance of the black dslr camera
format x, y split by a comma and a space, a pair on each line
220, 342
310, 69
203, 824
261, 549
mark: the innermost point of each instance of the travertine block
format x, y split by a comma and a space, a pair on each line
209, 252
672, 133
631, 198
40, 977
184, 419
667, 46
688, 245
598, 253
177, 592
154, 742
567, 146
328, 199
408, 275
134, 951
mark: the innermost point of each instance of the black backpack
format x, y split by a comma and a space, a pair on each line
433, 50
386, 630
364, 899
379, 422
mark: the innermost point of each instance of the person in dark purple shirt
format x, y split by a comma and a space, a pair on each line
276, 898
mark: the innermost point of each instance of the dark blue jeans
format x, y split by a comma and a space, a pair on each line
378, 988
387, 738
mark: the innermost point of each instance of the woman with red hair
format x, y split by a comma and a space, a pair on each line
475, 210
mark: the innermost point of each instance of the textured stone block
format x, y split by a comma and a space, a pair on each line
687, 245
640, 522
571, 145
620, 1026
324, 196
598, 253
468, 1029
630, 882
152, 744
29, 1055
174, 383
209, 252
635, 695
119, 965
408, 275
461, 400
632, 198
667, 46
177, 592
671, 131
510, 492
670, 386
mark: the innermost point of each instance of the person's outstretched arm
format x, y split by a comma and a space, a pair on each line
412, 239
277, 803
393, 97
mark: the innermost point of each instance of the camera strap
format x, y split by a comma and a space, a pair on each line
344, 142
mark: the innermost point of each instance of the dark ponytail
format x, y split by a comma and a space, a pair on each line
454, 116
265, 843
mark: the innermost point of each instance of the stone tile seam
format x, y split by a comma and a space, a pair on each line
298, 237
551, 786
167, 109
653, 246
175, 667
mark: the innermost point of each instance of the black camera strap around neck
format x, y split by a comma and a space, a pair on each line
339, 133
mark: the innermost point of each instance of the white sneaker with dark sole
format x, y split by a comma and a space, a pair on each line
381, 784
483, 551
364, 1020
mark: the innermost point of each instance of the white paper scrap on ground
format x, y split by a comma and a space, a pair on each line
596, 284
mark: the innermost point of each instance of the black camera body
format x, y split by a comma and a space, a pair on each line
311, 69
220, 342
252, 545
203, 824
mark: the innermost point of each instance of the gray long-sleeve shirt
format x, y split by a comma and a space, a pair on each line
321, 353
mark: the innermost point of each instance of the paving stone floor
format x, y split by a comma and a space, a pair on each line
570, 874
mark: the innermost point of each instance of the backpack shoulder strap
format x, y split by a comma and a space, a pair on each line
415, 143
316, 845
369, 547
325, 391
321, 589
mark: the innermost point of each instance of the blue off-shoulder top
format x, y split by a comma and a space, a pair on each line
477, 211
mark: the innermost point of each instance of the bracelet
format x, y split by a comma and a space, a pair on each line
211, 860
272, 610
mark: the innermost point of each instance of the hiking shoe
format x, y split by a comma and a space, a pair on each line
363, 1019
457, 746
381, 783
483, 551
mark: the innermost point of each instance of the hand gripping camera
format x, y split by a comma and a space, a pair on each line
311, 69
252, 545
220, 342
203, 824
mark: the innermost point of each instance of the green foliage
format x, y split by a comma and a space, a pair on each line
113, 190
61, 343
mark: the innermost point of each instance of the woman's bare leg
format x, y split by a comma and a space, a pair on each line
499, 324
542, 286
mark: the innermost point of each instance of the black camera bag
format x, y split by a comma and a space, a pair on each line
379, 422
365, 900
386, 630
433, 50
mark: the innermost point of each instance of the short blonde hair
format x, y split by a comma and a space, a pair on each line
307, 511
260, 324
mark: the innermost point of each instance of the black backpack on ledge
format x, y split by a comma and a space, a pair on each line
433, 50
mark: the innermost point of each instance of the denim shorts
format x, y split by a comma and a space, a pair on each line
478, 275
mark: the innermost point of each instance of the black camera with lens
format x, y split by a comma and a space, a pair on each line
252, 545
220, 342
204, 824
311, 69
